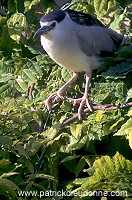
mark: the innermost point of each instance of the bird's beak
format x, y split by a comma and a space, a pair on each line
42, 31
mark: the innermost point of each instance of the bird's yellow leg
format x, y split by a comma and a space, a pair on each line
58, 94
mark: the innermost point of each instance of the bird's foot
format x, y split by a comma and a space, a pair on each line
83, 101
57, 97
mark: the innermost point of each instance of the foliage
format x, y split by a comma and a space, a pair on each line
92, 154
107, 174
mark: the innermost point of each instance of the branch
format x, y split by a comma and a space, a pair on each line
106, 107
31, 88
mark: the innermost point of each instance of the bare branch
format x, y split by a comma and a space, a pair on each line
31, 88
106, 107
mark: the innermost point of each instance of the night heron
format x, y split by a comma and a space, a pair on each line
76, 41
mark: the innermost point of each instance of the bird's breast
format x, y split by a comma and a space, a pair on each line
67, 54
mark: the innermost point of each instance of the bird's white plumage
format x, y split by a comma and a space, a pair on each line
63, 47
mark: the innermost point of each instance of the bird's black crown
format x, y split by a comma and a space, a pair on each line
57, 15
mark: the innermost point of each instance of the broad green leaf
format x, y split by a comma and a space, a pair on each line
31, 77
5, 39
4, 87
118, 70
80, 166
117, 124
28, 4
125, 53
129, 94
110, 171
33, 50
9, 174
68, 158
45, 176
66, 74
9, 186
120, 162
107, 168
51, 133
125, 128
4, 163
66, 106
79, 181
21, 150
4, 140
5, 78
17, 23
130, 113
117, 21
34, 67
99, 116
76, 130
129, 137
21, 85
100, 7
30, 166
36, 145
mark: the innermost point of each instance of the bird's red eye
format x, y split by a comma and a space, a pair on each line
53, 24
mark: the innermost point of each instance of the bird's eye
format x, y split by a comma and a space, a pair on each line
53, 24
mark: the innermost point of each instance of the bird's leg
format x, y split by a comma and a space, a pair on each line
60, 91
84, 99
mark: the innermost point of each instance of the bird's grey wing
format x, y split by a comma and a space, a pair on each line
96, 40
83, 18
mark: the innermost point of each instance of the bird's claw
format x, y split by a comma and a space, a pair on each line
83, 101
57, 97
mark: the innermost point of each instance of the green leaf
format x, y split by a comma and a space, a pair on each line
125, 128
68, 158
120, 162
76, 130
4, 163
99, 116
5, 78
107, 168
129, 94
4, 87
21, 85
17, 24
80, 166
117, 21
31, 77
34, 67
100, 6
30, 166
66, 74
4, 140
9, 174
45, 176
9, 186
28, 4
118, 70
21, 150
109, 174
66, 106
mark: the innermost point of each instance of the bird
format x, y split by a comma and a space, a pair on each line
76, 41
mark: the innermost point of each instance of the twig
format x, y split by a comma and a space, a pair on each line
106, 107
45, 146
31, 88
41, 159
